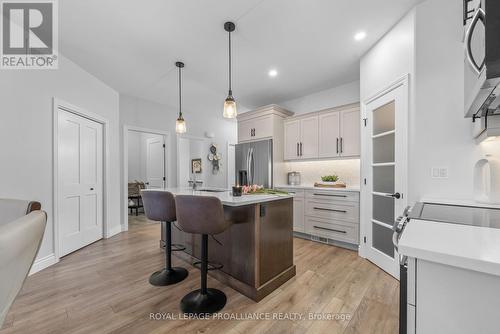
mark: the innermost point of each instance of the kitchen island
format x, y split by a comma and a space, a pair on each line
256, 252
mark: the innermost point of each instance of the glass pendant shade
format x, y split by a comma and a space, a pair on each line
230, 108
180, 125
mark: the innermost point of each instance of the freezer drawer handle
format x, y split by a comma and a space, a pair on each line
342, 211
329, 195
329, 229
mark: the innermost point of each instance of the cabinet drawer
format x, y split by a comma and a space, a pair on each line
295, 192
346, 211
332, 229
328, 195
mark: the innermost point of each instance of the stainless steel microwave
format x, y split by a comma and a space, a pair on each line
482, 58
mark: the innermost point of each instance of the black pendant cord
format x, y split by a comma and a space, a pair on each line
180, 94
230, 65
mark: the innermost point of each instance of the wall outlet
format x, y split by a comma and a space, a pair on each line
439, 172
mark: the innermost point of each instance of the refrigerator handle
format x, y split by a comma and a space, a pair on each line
251, 168
248, 165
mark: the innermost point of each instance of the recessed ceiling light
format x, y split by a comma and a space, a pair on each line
360, 36
272, 73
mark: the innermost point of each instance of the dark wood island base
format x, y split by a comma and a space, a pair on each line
256, 252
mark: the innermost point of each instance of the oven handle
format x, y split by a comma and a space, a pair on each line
398, 227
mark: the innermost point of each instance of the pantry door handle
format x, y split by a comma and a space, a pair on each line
329, 229
333, 210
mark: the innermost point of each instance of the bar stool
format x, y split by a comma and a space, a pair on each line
160, 206
202, 215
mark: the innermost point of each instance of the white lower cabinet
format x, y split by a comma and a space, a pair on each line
327, 214
298, 214
450, 300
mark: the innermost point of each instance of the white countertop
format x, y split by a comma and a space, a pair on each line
312, 187
226, 196
464, 246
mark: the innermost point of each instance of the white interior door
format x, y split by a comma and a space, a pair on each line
385, 170
155, 162
80, 175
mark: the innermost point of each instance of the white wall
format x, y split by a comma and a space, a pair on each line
332, 97
439, 135
134, 156
26, 129
390, 59
427, 44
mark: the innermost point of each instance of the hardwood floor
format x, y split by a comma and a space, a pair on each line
104, 288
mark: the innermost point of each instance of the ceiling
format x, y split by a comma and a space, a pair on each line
133, 45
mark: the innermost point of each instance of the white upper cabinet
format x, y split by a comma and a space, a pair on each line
332, 133
301, 138
255, 128
292, 140
308, 145
329, 135
350, 133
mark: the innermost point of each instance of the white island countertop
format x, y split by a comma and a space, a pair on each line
226, 196
464, 246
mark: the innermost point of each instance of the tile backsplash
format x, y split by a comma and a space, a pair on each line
311, 171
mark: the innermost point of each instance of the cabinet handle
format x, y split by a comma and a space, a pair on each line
334, 210
254, 132
329, 229
337, 146
330, 195
341, 145
300, 148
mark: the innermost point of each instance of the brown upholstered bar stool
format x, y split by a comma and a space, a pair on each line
202, 215
160, 206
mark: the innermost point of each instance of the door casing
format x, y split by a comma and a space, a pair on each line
68, 107
167, 165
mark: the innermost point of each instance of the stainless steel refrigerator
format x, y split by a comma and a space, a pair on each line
254, 163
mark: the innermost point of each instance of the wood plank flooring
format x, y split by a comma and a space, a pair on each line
104, 288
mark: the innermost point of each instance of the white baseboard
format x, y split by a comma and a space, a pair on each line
43, 263
124, 228
113, 231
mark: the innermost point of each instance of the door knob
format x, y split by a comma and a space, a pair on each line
396, 195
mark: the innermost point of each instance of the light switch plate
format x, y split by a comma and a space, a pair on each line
439, 172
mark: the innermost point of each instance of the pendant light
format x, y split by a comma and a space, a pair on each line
180, 124
230, 103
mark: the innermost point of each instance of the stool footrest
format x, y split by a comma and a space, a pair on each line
177, 248
211, 265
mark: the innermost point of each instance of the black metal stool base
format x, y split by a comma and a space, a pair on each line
168, 276
197, 303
